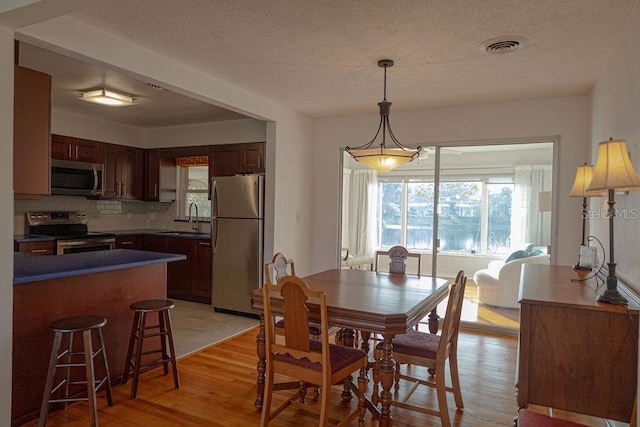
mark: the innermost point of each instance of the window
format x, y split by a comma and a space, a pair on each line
193, 187
474, 214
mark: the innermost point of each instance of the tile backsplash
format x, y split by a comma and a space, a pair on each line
107, 215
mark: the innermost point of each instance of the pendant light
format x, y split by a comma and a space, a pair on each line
381, 158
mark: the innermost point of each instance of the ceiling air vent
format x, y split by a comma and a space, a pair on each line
503, 44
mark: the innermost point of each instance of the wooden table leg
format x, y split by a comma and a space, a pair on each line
262, 364
434, 320
387, 366
364, 345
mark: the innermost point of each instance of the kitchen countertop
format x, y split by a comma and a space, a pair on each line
21, 238
163, 233
31, 268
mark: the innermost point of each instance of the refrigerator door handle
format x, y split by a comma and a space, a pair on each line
214, 234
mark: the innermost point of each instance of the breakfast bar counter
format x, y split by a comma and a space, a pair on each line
30, 268
48, 288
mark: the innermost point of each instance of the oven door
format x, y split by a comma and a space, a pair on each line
84, 245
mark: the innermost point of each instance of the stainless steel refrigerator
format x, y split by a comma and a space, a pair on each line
237, 239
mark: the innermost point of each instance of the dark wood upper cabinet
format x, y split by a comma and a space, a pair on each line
76, 149
224, 162
250, 157
123, 172
31, 131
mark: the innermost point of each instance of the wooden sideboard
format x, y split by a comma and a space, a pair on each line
575, 354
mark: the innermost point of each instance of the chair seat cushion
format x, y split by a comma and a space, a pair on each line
340, 356
415, 343
314, 328
528, 418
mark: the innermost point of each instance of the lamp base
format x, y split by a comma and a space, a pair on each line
611, 297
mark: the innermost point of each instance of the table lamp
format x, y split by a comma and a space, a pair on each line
584, 175
613, 172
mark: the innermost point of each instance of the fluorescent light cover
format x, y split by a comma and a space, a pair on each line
106, 97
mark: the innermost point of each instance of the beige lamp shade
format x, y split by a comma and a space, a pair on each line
613, 170
383, 159
584, 175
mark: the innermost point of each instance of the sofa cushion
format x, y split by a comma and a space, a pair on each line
521, 253
516, 255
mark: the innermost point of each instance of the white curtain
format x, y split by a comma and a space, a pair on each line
359, 213
528, 223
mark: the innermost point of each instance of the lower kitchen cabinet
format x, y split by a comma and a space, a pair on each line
129, 242
190, 279
36, 248
201, 269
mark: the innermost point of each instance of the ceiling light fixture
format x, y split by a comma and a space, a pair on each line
106, 97
384, 159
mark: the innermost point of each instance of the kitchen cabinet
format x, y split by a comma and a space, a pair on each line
250, 157
201, 270
124, 169
76, 149
224, 160
129, 242
31, 132
36, 248
189, 279
160, 179
234, 159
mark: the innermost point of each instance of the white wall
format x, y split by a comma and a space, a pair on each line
236, 131
6, 225
616, 113
567, 118
80, 126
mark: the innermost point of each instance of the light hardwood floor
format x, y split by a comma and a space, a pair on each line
218, 389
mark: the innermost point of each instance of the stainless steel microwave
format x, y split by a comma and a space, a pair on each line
76, 178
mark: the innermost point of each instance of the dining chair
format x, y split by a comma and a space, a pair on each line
279, 267
430, 351
310, 361
398, 256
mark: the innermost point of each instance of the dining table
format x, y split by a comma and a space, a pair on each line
374, 303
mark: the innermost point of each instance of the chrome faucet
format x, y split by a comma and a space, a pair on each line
196, 223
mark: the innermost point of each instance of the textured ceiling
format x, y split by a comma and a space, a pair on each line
319, 57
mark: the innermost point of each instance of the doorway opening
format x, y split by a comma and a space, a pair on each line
485, 208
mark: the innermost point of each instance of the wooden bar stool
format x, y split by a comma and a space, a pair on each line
68, 357
140, 331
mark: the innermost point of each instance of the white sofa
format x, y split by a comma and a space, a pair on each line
499, 283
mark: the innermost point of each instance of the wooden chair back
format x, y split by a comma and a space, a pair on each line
451, 326
398, 256
279, 267
293, 294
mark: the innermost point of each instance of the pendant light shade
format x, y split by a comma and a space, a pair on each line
382, 158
